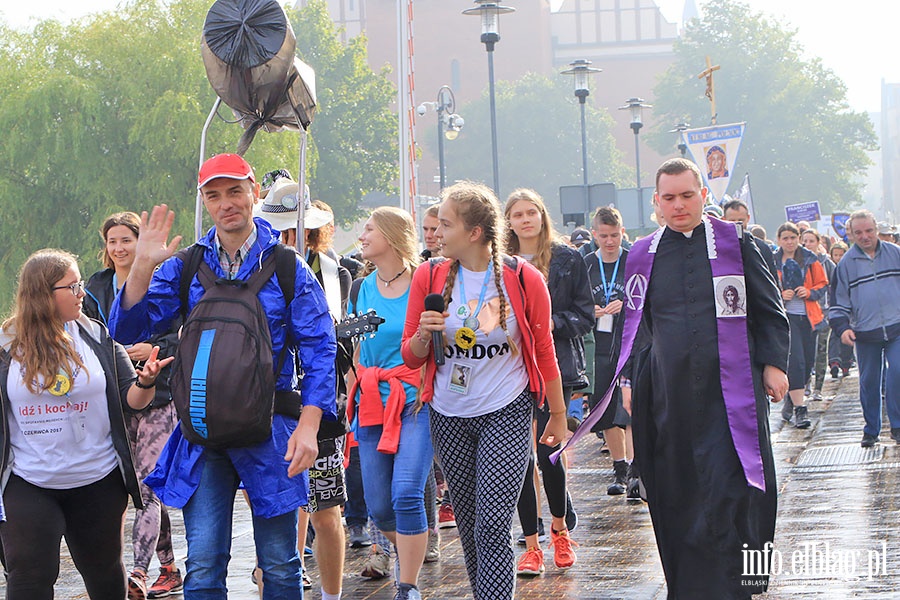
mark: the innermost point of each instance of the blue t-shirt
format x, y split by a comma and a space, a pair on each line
383, 348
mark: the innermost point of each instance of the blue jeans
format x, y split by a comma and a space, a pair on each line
877, 360
576, 408
399, 506
207, 522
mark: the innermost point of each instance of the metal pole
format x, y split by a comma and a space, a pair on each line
584, 166
637, 161
301, 196
443, 167
494, 153
198, 206
584, 157
402, 114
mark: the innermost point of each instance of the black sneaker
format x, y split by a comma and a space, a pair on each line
869, 440
801, 417
835, 369
617, 487
895, 434
787, 410
572, 516
633, 489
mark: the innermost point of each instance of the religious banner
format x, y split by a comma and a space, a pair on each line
839, 224
715, 150
743, 194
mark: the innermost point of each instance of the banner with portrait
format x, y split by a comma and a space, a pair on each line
715, 150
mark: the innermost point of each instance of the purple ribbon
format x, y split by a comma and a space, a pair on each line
724, 252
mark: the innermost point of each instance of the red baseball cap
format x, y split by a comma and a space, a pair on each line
230, 166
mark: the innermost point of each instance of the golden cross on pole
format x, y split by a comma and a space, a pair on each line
710, 86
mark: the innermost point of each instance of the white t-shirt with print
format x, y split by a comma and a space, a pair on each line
488, 376
62, 442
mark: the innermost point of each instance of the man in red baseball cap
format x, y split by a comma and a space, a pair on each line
229, 191
201, 480
229, 166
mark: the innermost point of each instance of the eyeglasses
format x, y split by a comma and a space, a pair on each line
76, 288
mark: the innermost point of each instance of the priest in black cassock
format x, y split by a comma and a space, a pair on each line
705, 514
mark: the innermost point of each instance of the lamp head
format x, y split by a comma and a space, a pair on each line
490, 12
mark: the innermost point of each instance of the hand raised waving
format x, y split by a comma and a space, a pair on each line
152, 245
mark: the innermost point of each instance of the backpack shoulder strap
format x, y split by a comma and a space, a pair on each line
513, 262
285, 270
281, 262
354, 292
263, 275
432, 264
191, 257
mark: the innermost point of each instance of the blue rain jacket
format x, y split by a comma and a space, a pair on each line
262, 468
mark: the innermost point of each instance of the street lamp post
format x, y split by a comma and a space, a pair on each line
447, 118
581, 69
680, 129
490, 17
636, 106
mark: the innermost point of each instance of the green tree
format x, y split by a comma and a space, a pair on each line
104, 114
802, 142
539, 141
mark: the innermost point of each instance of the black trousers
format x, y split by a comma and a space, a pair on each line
802, 357
91, 519
553, 475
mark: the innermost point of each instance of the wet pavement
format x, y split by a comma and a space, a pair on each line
836, 532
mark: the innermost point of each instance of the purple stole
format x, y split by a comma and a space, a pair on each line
724, 253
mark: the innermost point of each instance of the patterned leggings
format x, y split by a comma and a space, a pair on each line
484, 460
149, 431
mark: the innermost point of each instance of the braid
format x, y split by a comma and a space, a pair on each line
504, 307
448, 286
448, 289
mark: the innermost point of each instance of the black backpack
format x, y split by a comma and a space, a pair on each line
223, 378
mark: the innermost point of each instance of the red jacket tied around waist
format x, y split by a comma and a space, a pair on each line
372, 411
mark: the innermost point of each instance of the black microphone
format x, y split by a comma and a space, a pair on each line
435, 302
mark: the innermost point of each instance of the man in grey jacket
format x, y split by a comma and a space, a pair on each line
865, 311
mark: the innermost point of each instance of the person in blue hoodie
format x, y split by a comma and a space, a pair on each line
199, 480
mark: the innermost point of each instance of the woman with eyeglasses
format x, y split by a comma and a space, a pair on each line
149, 429
65, 389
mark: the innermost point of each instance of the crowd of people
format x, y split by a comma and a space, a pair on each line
479, 357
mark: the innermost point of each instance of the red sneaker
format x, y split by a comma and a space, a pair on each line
168, 582
137, 586
531, 563
446, 516
563, 554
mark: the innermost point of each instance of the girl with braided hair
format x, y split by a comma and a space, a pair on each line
498, 360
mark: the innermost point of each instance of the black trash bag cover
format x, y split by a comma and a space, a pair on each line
245, 33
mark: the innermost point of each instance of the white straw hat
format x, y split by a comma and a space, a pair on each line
279, 207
